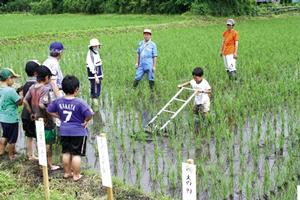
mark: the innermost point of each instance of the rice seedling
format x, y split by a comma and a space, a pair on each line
265, 96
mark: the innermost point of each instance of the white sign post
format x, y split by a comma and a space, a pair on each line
42, 151
189, 180
104, 165
298, 192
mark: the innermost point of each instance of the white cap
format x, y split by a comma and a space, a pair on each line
230, 22
94, 42
146, 30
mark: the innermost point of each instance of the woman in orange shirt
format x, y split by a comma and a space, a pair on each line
229, 49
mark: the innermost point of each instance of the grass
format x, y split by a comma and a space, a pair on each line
268, 71
29, 25
21, 179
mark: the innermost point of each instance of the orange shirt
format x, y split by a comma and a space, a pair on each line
230, 37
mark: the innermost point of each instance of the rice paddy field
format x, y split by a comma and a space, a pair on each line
249, 147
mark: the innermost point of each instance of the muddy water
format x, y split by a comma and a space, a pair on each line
155, 165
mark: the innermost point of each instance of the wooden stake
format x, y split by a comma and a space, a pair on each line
110, 194
46, 182
190, 161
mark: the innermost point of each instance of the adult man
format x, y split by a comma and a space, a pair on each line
229, 48
146, 59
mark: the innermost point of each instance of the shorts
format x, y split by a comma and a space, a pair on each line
10, 132
50, 136
29, 128
229, 62
75, 145
200, 108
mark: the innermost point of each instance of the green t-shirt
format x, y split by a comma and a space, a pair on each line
8, 105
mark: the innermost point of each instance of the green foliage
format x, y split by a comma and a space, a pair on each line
73, 6
7, 184
263, 86
15, 6
202, 7
57, 6
42, 7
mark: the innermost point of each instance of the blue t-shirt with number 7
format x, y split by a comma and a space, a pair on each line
72, 113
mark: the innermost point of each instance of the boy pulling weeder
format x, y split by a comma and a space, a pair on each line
201, 90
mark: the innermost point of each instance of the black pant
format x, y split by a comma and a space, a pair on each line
95, 88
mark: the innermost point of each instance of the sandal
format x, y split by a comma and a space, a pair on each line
55, 167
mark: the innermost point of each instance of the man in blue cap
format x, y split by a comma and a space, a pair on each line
52, 62
146, 59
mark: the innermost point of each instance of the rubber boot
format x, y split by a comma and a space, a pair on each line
197, 124
135, 83
232, 75
151, 85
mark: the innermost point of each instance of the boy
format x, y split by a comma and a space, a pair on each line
202, 101
31, 68
9, 118
74, 114
36, 101
229, 49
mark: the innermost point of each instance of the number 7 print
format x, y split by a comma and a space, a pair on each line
69, 115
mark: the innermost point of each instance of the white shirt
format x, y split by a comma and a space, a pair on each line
93, 60
53, 64
201, 98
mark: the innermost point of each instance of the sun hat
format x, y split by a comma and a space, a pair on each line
146, 30
56, 47
94, 42
230, 22
5, 73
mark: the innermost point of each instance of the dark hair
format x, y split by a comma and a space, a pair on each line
40, 79
198, 71
42, 73
54, 54
69, 84
31, 67
92, 49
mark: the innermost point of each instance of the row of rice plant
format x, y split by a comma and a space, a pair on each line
248, 148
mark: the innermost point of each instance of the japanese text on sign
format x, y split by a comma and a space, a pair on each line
189, 182
41, 144
104, 162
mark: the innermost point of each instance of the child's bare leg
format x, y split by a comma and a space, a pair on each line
3, 142
11, 151
76, 160
67, 161
49, 155
29, 145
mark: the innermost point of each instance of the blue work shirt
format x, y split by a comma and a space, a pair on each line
146, 51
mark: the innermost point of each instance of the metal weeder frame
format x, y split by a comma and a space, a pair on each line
174, 114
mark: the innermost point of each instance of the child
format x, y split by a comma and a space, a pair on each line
202, 101
9, 118
36, 101
74, 114
31, 68
94, 69
52, 62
